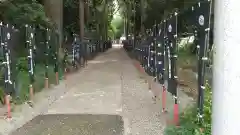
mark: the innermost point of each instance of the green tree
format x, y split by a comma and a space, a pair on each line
118, 25
21, 12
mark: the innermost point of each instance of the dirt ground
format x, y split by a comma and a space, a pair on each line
187, 69
188, 82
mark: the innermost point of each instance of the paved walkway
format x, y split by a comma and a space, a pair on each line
110, 86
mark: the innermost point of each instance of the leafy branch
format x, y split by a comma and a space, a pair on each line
21, 12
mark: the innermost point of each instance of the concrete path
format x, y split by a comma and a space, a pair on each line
109, 86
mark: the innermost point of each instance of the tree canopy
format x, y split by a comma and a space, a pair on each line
21, 12
99, 14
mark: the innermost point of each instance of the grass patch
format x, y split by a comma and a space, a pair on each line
1, 96
188, 119
187, 60
22, 88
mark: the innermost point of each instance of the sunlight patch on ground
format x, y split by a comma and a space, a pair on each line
92, 93
117, 45
99, 62
73, 124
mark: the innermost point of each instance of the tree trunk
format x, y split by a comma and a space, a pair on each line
81, 19
54, 10
142, 16
106, 22
127, 24
86, 11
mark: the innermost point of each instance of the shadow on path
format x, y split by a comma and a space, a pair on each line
79, 124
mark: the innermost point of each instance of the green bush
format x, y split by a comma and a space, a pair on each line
188, 119
21, 12
1, 96
22, 64
23, 80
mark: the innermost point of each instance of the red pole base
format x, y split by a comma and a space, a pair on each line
175, 120
164, 99
65, 74
46, 83
7, 99
31, 92
201, 130
176, 114
57, 78
149, 85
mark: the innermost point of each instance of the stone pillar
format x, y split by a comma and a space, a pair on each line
226, 71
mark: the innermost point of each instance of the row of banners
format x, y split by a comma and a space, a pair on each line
158, 52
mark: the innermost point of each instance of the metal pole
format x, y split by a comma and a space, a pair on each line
226, 71
46, 58
29, 41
